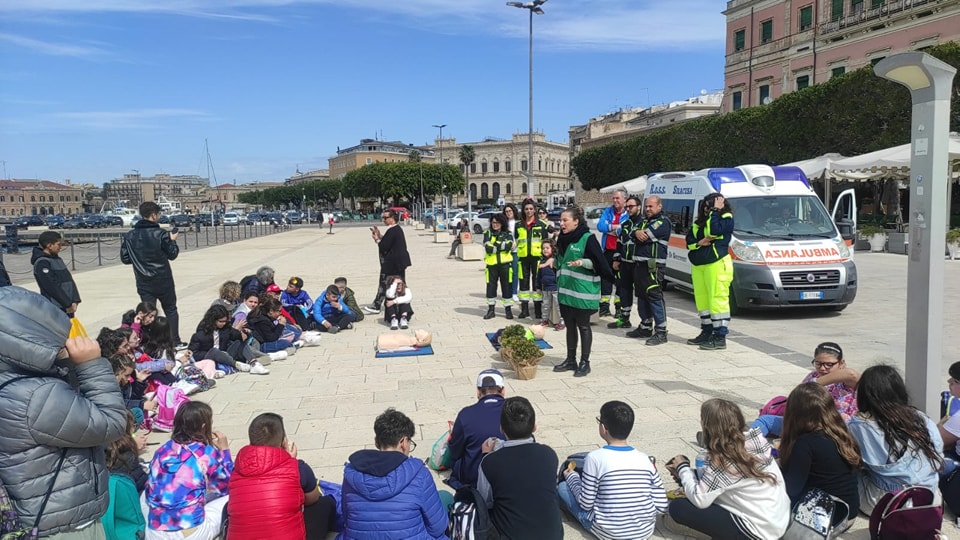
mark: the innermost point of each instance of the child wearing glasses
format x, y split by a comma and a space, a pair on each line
831, 372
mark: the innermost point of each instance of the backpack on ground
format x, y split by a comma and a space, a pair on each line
169, 400
775, 407
906, 515
577, 459
10, 526
469, 516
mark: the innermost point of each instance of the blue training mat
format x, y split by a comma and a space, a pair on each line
492, 337
418, 352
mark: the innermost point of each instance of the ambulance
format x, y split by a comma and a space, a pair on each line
787, 250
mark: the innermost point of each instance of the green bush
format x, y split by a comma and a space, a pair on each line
523, 351
514, 330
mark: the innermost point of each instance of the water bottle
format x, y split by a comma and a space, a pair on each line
701, 461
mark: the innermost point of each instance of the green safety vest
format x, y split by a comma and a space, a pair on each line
530, 246
498, 247
578, 286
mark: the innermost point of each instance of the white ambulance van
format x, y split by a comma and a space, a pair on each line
787, 249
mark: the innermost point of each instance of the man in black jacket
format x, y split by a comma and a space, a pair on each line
54, 279
150, 249
394, 257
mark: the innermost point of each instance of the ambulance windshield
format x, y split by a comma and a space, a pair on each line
781, 217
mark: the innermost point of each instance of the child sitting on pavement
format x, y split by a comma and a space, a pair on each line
620, 493
141, 318
297, 301
229, 295
349, 298
397, 310
124, 517
330, 313
271, 329
216, 340
272, 490
294, 317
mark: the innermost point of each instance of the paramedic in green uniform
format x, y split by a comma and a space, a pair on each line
712, 270
580, 267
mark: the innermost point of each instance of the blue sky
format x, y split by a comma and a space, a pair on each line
93, 89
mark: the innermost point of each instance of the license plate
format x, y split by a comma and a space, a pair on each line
812, 295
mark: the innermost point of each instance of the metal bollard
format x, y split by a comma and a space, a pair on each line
206, 232
99, 254
73, 258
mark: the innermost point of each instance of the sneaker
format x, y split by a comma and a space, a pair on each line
299, 343
657, 339
219, 374
349, 326
559, 326
277, 356
243, 366
639, 332
371, 309
187, 386
403, 323
715, 343
544, 323
259, 369
394, 324
333, 329
451, 256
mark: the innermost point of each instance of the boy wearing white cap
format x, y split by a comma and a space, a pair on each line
475, 424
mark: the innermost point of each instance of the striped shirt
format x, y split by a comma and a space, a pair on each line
622, 491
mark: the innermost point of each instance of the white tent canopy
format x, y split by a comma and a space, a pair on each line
816, 167
889, 162
633, 186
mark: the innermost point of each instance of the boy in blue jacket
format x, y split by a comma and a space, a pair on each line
331, 313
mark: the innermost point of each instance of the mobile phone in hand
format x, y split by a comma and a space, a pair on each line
174, 230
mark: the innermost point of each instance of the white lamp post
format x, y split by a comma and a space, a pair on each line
533, 7
929, 81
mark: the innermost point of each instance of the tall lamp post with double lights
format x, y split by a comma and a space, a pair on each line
443, 201
930, 83
532, 7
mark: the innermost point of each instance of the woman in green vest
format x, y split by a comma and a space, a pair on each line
580, 267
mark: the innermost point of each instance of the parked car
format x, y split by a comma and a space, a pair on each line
209, 220
482, 221
113, 221
274, 218
54, 222
28, 221
294, 217
453, 221
180, 220
163, 219
76, 222
231, 219
94, 221
253, 218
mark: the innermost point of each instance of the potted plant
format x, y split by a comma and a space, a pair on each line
875, 234
521, 353
953, 243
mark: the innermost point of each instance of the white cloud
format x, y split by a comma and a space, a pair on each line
136, 118
596, 25
54, 49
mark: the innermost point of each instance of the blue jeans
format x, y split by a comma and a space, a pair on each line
568, 501
769, 425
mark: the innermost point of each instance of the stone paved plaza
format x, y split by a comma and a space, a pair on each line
329, 395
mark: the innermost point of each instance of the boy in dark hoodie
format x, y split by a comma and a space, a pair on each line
55, 281
388, 493
349, 298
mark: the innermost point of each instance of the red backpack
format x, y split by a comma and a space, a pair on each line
906, 515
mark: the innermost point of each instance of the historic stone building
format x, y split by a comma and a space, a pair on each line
38, 197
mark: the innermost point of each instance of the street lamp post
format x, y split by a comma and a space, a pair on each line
532, 7
929, 81
443, 202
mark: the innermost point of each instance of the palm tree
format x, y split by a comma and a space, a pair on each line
467, 157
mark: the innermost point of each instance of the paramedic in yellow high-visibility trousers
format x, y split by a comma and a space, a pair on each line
712, 270
498, 244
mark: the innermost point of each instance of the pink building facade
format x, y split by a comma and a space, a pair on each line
777, 46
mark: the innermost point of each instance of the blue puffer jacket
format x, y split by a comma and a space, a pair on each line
388, 496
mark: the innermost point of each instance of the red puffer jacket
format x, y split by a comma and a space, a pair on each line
266, 500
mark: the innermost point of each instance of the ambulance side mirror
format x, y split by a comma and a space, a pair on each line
847, 229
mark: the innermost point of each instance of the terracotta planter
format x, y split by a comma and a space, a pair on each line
525, 373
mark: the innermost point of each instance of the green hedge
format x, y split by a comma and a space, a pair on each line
851, 114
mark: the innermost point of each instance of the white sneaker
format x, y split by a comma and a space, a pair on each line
403, 323
219, 374
299, 343
370, 310
243, 366
393, 324
277, 356
259, 369
187, 386
311, 340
